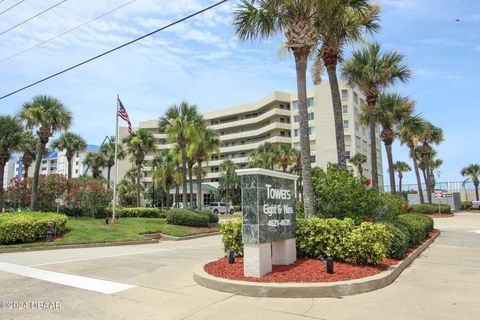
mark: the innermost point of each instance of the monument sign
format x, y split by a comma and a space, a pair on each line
268, 220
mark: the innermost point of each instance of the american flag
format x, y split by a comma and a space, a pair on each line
122, 113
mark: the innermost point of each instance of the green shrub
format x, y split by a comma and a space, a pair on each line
212, 217
138, 212
25, 227
232, 236
430, 208
237, 208
324, 237
185, 217
299, 210
339, 194
418, 225
390, 205
367, 244
466, 205
400, 241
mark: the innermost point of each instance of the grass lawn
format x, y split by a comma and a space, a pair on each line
88, 230
236, 215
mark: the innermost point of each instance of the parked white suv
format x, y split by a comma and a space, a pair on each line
221, 207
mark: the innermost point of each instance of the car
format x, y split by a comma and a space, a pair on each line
221, 207
475, 204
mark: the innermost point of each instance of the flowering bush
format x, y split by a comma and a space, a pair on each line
18, 194
87, 197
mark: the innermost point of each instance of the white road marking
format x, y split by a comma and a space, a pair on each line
102, 286
475, 231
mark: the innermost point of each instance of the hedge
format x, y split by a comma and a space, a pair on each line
415, 226
466, 205
139, 212
25, 227
400, 240
185, 217
237, 208
232, 236
430, 208
212, 217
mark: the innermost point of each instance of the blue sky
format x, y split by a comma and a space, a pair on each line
203, 62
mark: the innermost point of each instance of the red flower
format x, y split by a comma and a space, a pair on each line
368, 183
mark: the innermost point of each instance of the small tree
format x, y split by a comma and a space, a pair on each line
96, 161
229, 180
358, 160
473, 172
71, 143
108, 150
400, 167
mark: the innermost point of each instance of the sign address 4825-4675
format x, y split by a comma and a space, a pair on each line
277, 209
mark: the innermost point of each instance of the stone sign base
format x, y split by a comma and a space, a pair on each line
258, 258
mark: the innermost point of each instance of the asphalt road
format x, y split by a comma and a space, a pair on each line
155, 282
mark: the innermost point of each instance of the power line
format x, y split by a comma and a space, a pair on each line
115, 49
8, 9
68, 31
32, 17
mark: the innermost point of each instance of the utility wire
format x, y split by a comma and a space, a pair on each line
8, 9
68, 31
115, 49
32, 17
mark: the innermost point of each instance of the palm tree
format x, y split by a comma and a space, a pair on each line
430, 135
400, 167
28, 147
164, 173
358, 160
391, 111
297, 20
287, 155
47, 115
409, 134
72, 143
182, 125
96, 161
265, 156
473, 171
229, 178
208, 144
341, 23
372, 71
138, 144
434, 165
11, 134
297, 169
108, 150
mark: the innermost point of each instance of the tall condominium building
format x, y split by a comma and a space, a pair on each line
274, 118
52, 162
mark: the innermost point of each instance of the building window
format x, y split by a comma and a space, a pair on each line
295, 132
296, 119
282, 133
345, 109
310, 102
207, 198
355, 97
313, 159
347, 154
295, 104
345, 124
357, 126
311, 130
76, 171
311, 116
344, 94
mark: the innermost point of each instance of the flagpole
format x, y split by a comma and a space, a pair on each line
114, 206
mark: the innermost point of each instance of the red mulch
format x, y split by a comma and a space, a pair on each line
303, 270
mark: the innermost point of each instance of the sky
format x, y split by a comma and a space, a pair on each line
203, 62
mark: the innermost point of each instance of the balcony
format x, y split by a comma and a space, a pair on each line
250, 121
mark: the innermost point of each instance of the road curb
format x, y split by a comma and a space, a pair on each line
80, 245
195, 236
307, 290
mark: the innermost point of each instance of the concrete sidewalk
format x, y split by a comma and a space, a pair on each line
443, 283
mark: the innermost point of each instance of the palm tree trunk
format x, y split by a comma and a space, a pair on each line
69, 163
177, 195
139, 172
400, 183
199, 184
184, 177
337, 114
36, 176
417, 173
301, 71
108, 177
427, 177
424, 173
2, 175
25, 171
476, 191
373, 141
190, 177
391, 173
360, 171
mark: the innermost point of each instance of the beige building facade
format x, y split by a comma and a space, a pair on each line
274, 118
